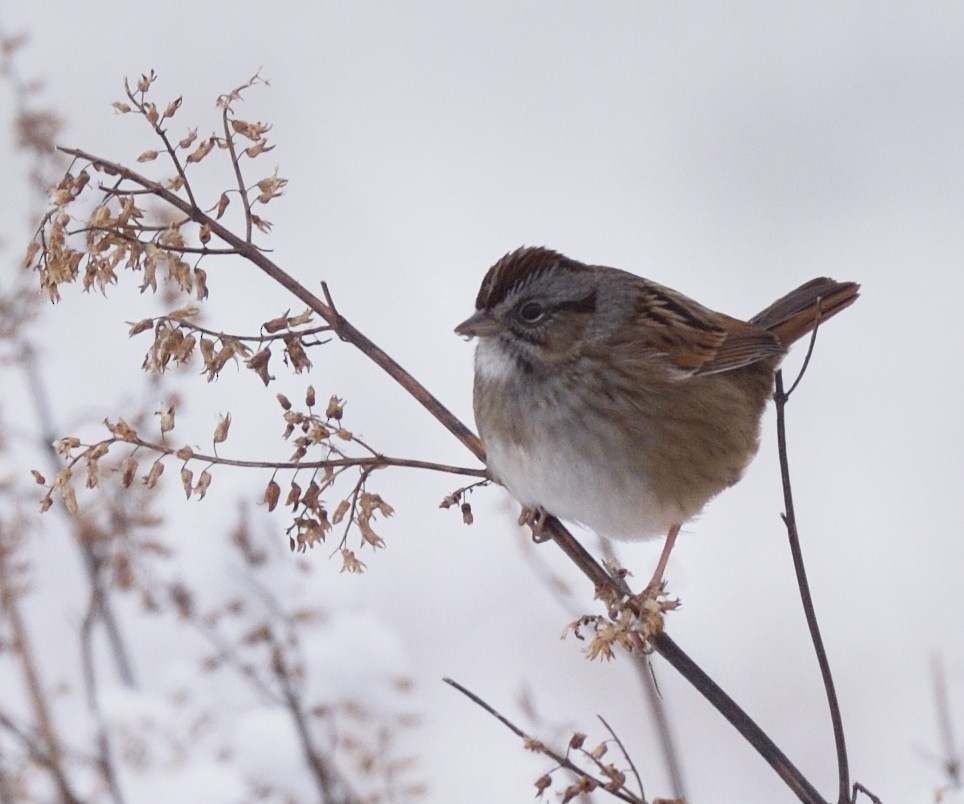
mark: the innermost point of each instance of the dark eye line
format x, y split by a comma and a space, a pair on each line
587, 304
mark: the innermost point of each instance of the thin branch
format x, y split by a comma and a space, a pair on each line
557, 532
46, 749
806, 358
163, 135
345, 330
951, 759
42, 758
667, 741
626, 756
368, 463
261, 338
859, 788
535, 744
204, 251
789, 518
236, 165
105, 759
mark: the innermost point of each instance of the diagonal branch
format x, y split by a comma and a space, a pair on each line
662, 644
345, 330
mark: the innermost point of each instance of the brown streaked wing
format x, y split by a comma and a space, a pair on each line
697, 339
676, 326
744, 344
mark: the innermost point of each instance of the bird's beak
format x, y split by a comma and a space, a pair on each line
479, 324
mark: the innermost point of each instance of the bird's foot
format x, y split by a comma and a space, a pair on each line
536, 518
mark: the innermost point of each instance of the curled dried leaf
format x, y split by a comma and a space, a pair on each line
167, 419
204, 480
63, 446
223, 202
296, 354
335, 409
340, 512
184, 313
93, 475
312, 497
271, 187
282, 400
349, 563
221, 431
582, 786
69, 498
185, 453
310, 396
276, 324
187, 481
151, 478
272, 494
121, 430
141, 326
99, 450
39, 479
300, 319
201, 151
129, 471
32, 248
172, 107
294, 495
467, 517
147, 156
257, 149
262, 224
201, 283
258, 363
207, 350
368, 534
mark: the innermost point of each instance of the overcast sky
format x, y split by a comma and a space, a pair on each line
731, 151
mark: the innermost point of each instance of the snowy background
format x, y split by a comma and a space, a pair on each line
729, 151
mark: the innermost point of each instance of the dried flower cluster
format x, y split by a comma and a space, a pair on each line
120, 232
90, 241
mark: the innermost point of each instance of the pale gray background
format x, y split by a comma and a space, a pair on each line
731, 151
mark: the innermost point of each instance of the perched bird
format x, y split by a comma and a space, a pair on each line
605, 399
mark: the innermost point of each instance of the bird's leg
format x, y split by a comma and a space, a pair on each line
657, 580
536, 519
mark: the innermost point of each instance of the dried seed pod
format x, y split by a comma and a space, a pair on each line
272, 494
221, 431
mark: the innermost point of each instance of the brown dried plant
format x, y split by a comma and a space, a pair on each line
100, 224
107, 218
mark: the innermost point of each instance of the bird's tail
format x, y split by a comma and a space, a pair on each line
794, 315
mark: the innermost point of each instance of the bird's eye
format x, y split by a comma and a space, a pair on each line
531, 312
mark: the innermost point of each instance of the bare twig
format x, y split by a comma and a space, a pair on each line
789, 518
950, 759
859, 788
367, 463
534, 744
626, 756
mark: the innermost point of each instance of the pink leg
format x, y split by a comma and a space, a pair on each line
664, 557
